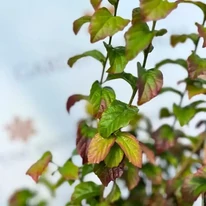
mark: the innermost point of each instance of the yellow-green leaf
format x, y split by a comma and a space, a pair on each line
131, 147
138, 38
80, 22
99, 148
104, 24
152, 10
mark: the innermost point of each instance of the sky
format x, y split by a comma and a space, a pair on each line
36, 41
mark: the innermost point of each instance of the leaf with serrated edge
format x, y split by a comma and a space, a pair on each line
104, 24
131, 147
73, 99
85, 190
196, 66
99, 148
115, 117
149, 84
38, 167
69, 170
107, 174
93, 53
138, 38
152, 10
80, 22
114, 157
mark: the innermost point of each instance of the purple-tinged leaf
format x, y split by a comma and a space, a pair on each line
73, 99
39, 167
196, 66
99, 148
152, 10
106, 174
80, 22
150, 83
148, 152
84, 136
202, 33
104, 24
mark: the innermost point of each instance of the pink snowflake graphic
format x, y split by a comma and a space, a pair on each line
20, 129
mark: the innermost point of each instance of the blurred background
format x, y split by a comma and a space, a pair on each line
36, 40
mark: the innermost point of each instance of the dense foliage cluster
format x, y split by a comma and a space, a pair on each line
107, 140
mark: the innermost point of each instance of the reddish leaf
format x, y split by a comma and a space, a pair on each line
79, 23
149, 84
131, 148
202, 33
84, 135
107, 174
149, 153
196, 66
38, 167
73, 99
99, 148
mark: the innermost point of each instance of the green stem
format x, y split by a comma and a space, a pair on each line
146, 54
110, 42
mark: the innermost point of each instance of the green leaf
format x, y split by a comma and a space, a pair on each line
38, 167
150, 83
175, 39
137, 38
69, 170
80, 22
131, 176
202, 33
95, 3
164, 113
117, 58
113, 2
131, 148
93, 53
185, 114
99, 148
180, 62
196, 66
107, 174
73, 99
100, 98
129, 78
153, 10
114, 195
136, 16
114, 157
85, 190
170, 89
21, 197
161, 32
115, 117
104, 24
86, 169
